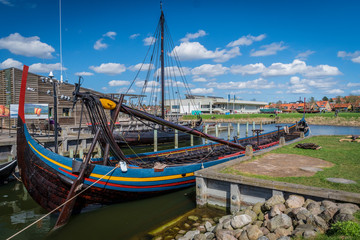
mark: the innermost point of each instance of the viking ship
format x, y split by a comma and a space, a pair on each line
6, 170
163, 88
52, 179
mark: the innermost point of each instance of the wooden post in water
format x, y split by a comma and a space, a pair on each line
261, 123
217, 130
191, 140
229, 131
247, 129
155, 140
176, 138
253, 128
71, 153
206, 131
238, 130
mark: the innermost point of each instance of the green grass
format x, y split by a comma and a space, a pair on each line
344, 155
296, 116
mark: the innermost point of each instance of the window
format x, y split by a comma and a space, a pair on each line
175, 107
66, 112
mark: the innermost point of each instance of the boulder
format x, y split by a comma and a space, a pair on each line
280, 232
201, 228
351, 206
300, 229
295, 201
303, 214
224, 218
218, 227
279, 221
342, 217
251, 213
243, 236
314, 208
193, 218
254, 232
307, 202
209, 227
200, 236
272, 236
261, 217
309, 234
257, 208
321, 224
209, 235
223, 234
328, 213
263, 238
240, 221
277, 209
237, 232
284, 238
265, 230
328, 204
189, 235
227, 224
276, 199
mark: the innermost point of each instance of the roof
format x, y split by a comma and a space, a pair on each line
322, 103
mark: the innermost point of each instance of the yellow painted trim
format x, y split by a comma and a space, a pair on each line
113, 178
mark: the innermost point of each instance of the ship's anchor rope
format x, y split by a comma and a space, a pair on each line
52, 211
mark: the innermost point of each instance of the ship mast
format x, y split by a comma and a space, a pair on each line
162, 20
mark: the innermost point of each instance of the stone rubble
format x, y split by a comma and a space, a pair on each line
275, 219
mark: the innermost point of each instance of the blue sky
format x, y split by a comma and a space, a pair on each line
263, 50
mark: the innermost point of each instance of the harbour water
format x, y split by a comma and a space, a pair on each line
131, 220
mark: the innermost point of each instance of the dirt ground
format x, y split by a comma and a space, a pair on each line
283, 165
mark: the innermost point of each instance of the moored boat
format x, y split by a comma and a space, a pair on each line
7, 169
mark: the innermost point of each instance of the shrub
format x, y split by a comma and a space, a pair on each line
348, 228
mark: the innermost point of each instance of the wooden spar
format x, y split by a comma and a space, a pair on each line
68, 207
162, 20
152, 118
112, 124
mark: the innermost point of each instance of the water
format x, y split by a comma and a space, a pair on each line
130, 220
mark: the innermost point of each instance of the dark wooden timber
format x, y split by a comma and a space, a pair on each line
257, 131
162, 20
55, 117
67, 209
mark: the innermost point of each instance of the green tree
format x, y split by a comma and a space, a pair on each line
325, 98
311, 100
338, 99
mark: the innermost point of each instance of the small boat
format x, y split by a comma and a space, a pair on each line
7, 169
307, 111
52, 179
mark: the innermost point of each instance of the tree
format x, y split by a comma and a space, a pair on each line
338, 99
311, 100
325, 98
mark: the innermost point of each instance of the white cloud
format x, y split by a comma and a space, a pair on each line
259, 83
104, 88
110, 35
356, 60
174, 71
249, 69
300, 67
351, 84
355, 56
7, 3
199, 79
246, 40
196, 35
29, 47
140, 84
270, 49
297, 85
45, 68
196, 51
202, 90
8, 63
356, 92
100, 45
149, 41
133, 36
109, 68
84, 74
304, 55
210, 70
144, 67
116, 83
335, 91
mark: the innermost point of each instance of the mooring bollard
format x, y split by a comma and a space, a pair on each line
229, 131
206, 131
249, 151
191, 140
155, 140
238, 130
216, 130
302, 135
176, 138
282, 141
247, 129
261, 123
253, 128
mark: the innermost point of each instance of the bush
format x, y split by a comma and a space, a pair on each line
348, 228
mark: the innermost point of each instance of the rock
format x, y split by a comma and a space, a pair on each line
265, 230
254, 232
308, 201
227, 224
328, 204
187, 226
321, 224
309, 234
314, 208
283, 231
202, 229
251, 213
196, 224
177, 237
258, 223
243, 236
260, 217
237, 232
300, 229
218, 227
342, 217
193, 218
200, 236
223, 234
224, 218
277, 209
284, 238
279, 221
240, 221
295, 201
257, 208
262, 238
182, 232
209, 227
189, 235
271, 236
348, 205
158, 238
303, 214
216, 219
341, 180
328, 213
276, 199
209, 235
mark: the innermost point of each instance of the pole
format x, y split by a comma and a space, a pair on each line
55, 118
238, 130
176, 138
162, 20
247, 129
155, 141
229, 131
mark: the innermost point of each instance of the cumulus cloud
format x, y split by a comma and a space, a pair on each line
117, 83
259, 83
355, 92
109, 68
209, 70
8, 63
26, 46
199, 79
302, 86
196, 51
7, 3
270, 49
335, 91
100, 45
356, 60
149, 41
355, 56
143, 67
133, 36
202, 90
304, 55
246, 40
351, 84
321, 70
84, 74
174, 71
196, 35
148, 83
110, 35
45, 68
249, 69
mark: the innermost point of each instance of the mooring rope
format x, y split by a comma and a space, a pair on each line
52, 211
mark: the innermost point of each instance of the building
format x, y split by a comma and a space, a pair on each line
324, 105
10, 82
212, 105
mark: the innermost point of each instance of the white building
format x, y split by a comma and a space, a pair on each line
212, 105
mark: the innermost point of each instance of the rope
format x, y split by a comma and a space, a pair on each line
16, 177
52, 211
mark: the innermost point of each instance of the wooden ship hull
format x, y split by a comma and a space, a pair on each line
307, 111
7, 169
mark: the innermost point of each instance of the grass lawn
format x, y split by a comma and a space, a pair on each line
344, 155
